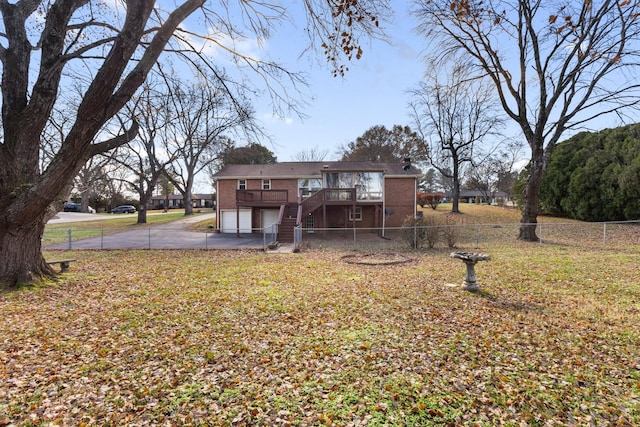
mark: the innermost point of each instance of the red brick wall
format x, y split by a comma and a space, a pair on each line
291, 185
226, 196
227, 190
400, 196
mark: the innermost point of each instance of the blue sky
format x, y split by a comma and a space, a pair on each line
373, 91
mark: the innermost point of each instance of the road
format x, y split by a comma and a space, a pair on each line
172, 235
64, 217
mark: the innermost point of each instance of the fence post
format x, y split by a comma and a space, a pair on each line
206, 239
149, 238
540, 239
69, 238
605, 234
102, 238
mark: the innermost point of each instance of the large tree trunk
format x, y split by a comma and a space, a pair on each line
188, 203
455, 203
531, 209
144, 196
142, 213
26, 191
455, 206
22, 259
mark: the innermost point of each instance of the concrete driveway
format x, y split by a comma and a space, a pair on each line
63, 217
173, 235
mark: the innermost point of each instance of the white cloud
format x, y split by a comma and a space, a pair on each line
271, 118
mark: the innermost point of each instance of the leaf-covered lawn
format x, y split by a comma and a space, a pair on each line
244, 338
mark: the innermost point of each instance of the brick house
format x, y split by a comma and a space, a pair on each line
314, 195
174, 201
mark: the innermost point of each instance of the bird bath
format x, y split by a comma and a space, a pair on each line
470, 259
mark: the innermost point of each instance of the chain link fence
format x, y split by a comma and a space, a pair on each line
146, 238
476, 237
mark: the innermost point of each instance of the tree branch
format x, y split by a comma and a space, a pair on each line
110, 144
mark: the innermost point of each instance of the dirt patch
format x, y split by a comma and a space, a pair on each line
383, 258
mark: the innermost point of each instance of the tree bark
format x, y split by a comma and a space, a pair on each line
22, 260
142, 212
455, 203
188, 202
145, 196
26, 192
531, 208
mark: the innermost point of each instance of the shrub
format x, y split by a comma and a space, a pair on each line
418, 230
413, 231
451, 232
431, 199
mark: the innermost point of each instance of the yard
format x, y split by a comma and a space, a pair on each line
245, 338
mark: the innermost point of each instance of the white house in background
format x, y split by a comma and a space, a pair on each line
477, 196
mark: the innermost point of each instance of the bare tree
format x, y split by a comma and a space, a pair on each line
116, 185
140, 156
554, 65
495, 172
111, 48
90, 179
313, 154
166, 188
195, 136
453, 117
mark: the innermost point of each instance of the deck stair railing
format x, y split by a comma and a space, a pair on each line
327, 195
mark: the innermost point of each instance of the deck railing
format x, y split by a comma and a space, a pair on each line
340, 194
262, 196
328, 195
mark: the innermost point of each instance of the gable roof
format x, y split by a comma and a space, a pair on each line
296, 170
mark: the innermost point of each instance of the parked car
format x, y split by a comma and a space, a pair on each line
72, 207
123, 209
76, 207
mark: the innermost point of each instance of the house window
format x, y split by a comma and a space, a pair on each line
309, 223
308, 186
368, 185
355, 214
242, 184
266, 184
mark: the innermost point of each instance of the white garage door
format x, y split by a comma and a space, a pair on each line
228, 221
269, 217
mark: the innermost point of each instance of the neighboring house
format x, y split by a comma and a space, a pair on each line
314, 195
477, 196
175, 201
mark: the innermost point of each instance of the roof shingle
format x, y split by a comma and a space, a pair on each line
311, 170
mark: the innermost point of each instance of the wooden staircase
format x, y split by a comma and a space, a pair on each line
289, 220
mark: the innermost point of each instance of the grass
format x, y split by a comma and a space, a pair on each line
245, 338
483, 228
122, 221
58, 233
